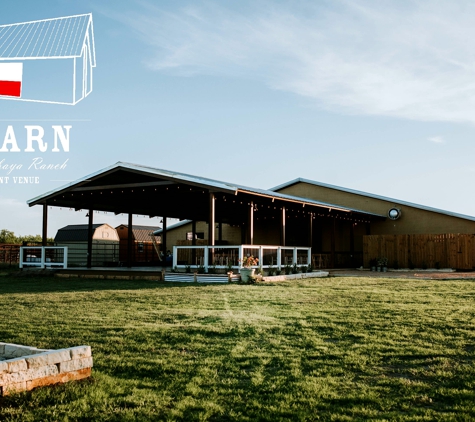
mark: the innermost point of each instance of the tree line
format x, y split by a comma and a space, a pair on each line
7, 236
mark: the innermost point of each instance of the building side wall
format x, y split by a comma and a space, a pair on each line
103, 253
105, 233
231, 234
412, 221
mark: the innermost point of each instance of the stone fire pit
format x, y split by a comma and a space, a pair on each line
24, 368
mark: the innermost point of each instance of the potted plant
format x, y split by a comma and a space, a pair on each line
383, 264
247, 271
372, 263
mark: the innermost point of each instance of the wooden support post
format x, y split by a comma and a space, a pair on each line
250, 224
164, 240
89, 238
352, 243
44, 238
130, 236
193, 242
211, 226
282, 227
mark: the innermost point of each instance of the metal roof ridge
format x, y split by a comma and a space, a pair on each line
375, 196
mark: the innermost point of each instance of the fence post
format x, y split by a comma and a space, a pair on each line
279, 258
21, 257
261, 255
294, 258
65, 257
206, 253
309, 256
175, 256
43, 256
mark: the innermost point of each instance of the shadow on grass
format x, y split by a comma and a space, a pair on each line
27, 284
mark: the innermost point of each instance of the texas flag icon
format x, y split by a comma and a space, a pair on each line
10, 79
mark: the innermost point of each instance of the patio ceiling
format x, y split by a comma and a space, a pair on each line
134, 189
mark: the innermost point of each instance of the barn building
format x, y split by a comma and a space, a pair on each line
339, 225
104, 242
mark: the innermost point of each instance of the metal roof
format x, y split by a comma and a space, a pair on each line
75, 232
48, 38
173, 226
141, 233
370, 195
203, 182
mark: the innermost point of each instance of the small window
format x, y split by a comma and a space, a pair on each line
198, 235
140, 247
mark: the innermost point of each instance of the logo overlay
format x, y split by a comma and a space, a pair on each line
10, 79
44, 61
47, 61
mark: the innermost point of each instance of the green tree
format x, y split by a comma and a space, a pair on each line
7, 236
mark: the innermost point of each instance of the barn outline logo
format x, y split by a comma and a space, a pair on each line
48, 61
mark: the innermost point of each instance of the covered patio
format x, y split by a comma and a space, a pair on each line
264, 217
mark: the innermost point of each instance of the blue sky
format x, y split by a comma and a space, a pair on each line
376, 96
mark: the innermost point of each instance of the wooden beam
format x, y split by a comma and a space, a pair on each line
44, 239
123, 186
193, 242
130, 238
282, 227
164, 240
211, 219
211, 226
250, 224
90, 233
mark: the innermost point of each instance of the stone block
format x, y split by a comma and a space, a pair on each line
31, 374
3, 367
74, 365
2, 348
16, 351
80, 352
13, 388
59, 378
16, 365
48, 358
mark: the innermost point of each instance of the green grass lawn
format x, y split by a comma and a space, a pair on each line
339, 349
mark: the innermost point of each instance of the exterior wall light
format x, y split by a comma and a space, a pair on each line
394, 213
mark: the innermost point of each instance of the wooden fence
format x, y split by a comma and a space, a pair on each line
9, 254
422, 250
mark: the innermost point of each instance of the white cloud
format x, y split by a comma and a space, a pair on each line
436, 139
409, 59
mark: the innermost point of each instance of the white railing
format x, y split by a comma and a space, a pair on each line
44, 256
231, 256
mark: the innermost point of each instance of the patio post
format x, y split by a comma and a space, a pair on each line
250, 219
211, 226
90, 215
164, 240
129, 241
193, 242
352, 242
282, 227
44, 239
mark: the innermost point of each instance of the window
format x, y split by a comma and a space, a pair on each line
198, 235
